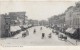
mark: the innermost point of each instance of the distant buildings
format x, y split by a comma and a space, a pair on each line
38, 23
43, 23
58, 20
33, 22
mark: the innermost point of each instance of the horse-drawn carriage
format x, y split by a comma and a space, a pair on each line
55, 31
62, 36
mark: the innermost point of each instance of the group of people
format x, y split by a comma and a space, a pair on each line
43, 34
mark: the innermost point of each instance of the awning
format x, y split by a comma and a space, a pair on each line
14, 28
17, 28
71, 30
25, 26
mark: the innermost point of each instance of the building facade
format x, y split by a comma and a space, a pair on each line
2, 25
72, 17
17, 18
33, 22
58, 20
43, 23
7, 25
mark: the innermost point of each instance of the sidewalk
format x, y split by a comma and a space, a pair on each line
72, 41
19, 35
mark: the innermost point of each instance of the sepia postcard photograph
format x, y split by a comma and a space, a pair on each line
39, 23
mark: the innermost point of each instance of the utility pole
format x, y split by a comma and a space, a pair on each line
70, 20
78, 32
24, 20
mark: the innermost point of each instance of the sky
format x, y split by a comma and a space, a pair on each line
38, 10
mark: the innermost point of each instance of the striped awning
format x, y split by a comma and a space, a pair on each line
14, 28
71, 30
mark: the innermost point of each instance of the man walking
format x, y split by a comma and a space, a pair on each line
34, 30
41, 28
50, 35
43, 35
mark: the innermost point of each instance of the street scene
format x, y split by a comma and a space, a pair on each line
35, 39
40, 24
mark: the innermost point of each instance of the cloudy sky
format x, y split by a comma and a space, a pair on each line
36, 10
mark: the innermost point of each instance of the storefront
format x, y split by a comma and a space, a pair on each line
14, 30
71, 32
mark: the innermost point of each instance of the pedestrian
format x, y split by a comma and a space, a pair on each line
49, 35
41, 28
43, 35
65, 38
27, 32
34, 30
24, 35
